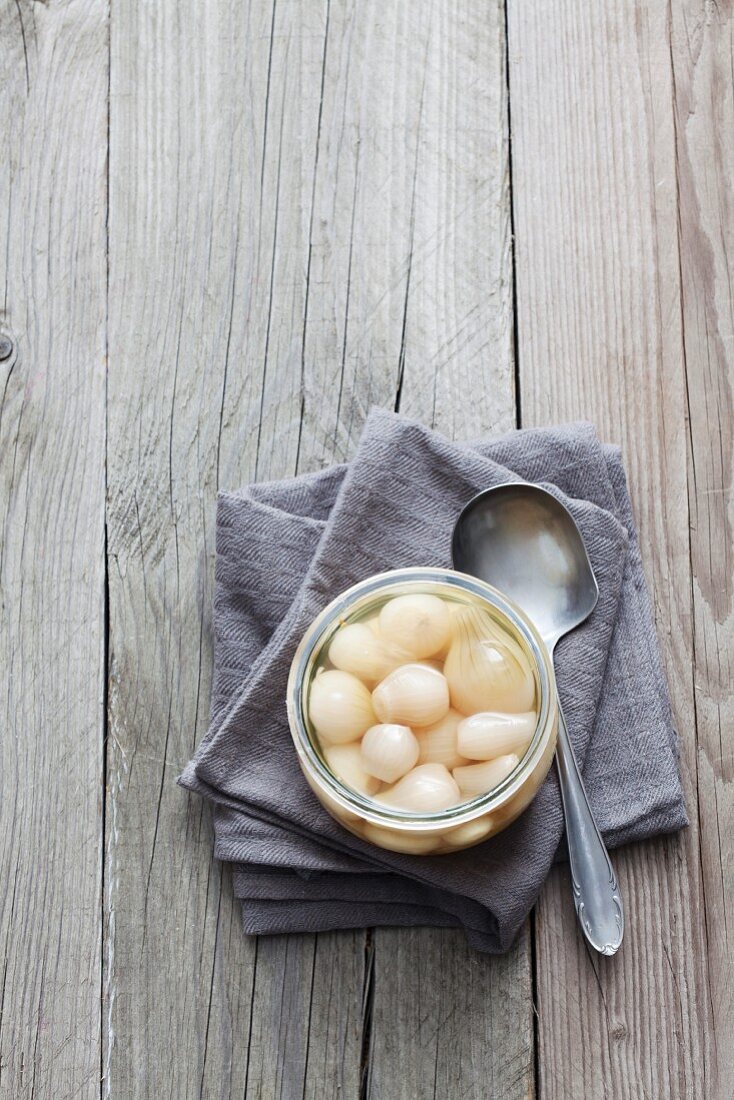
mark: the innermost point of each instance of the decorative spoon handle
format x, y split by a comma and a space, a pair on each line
595, 891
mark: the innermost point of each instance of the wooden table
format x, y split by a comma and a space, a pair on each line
228, 228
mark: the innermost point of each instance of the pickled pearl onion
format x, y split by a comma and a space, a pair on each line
426, 789
388, 751
476, 779
439, 742
345, 762
340, 706
413, 695
488, 734
420, 624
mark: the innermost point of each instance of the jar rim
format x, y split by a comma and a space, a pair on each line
362, 805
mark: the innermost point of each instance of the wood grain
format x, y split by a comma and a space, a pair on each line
409, 277
702, 40
53, 112
595, 192
448, 1021
423, 300
207, 289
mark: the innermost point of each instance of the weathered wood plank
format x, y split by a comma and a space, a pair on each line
448, 1021
53, 115
422, 296
457, 318
306, 1029
408, 264
703, 83
210, 132
600, 337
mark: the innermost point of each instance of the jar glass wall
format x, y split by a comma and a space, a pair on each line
400, 684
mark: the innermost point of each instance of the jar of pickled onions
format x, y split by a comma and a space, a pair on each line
423, 709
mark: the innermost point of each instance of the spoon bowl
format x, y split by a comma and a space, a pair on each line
523, 541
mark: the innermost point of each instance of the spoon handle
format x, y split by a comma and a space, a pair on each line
595, 891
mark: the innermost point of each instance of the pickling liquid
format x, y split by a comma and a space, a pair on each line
422, 703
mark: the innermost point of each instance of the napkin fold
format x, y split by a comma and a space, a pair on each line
285, 549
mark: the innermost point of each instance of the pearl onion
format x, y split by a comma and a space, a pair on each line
470, 833
476, 779
411, 844
413, 695
426, 789
345, 762
419, 624
438, 743
357, 649
485, 668
373, 622
340, 706
490, 734
389, 751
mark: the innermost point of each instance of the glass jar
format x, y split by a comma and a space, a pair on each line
468, 822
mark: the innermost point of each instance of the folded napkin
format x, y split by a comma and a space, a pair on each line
285, 549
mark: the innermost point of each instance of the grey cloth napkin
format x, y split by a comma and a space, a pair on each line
285, 549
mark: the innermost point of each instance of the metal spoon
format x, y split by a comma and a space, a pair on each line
521, 540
